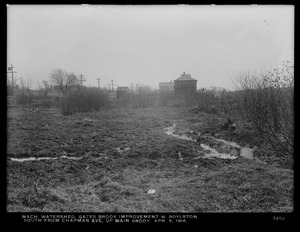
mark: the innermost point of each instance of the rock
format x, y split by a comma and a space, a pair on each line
151, 191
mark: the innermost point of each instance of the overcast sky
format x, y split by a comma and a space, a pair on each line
148, 44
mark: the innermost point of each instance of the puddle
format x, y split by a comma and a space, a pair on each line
215, 153
247, 152
170, 131
243, 151
44, 158
232, 144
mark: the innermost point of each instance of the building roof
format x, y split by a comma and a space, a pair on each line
166, 84
122, 88
185, 77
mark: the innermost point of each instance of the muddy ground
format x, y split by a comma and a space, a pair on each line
124, 153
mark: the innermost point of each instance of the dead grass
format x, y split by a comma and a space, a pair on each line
111, 180
242, 186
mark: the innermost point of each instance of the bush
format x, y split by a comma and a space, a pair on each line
267, 101
206, 102
85, 100
35, 100
142, 100
165, 98
24, 98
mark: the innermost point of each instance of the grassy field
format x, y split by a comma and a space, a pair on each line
124, 153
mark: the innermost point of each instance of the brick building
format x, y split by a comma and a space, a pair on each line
185, 85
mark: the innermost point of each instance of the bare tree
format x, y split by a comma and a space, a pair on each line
64, 80
45, 87
21, 83
267, 101
79, 82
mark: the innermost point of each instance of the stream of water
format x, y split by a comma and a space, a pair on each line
244, 151
171, 131
44, 158
215, 153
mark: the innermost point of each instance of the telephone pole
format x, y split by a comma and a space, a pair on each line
112, 85
81, 79
98, 82
11, 70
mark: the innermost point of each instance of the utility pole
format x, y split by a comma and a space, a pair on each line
81, 76
112, 85
98, 82
11, 70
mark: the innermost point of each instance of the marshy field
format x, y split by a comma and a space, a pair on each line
179, 110
154, 159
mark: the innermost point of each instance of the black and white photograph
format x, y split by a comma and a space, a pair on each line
134, 110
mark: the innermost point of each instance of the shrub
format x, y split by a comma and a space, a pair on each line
87, 99
267, 101
165, 98
206, 102
35, 100
142, 100
24, 98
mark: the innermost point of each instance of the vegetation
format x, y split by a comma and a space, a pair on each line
267, 102
65, 81
24, 98
87, 99
142, 97
125, 154
124, 151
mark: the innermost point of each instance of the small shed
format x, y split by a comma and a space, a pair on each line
122, 92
